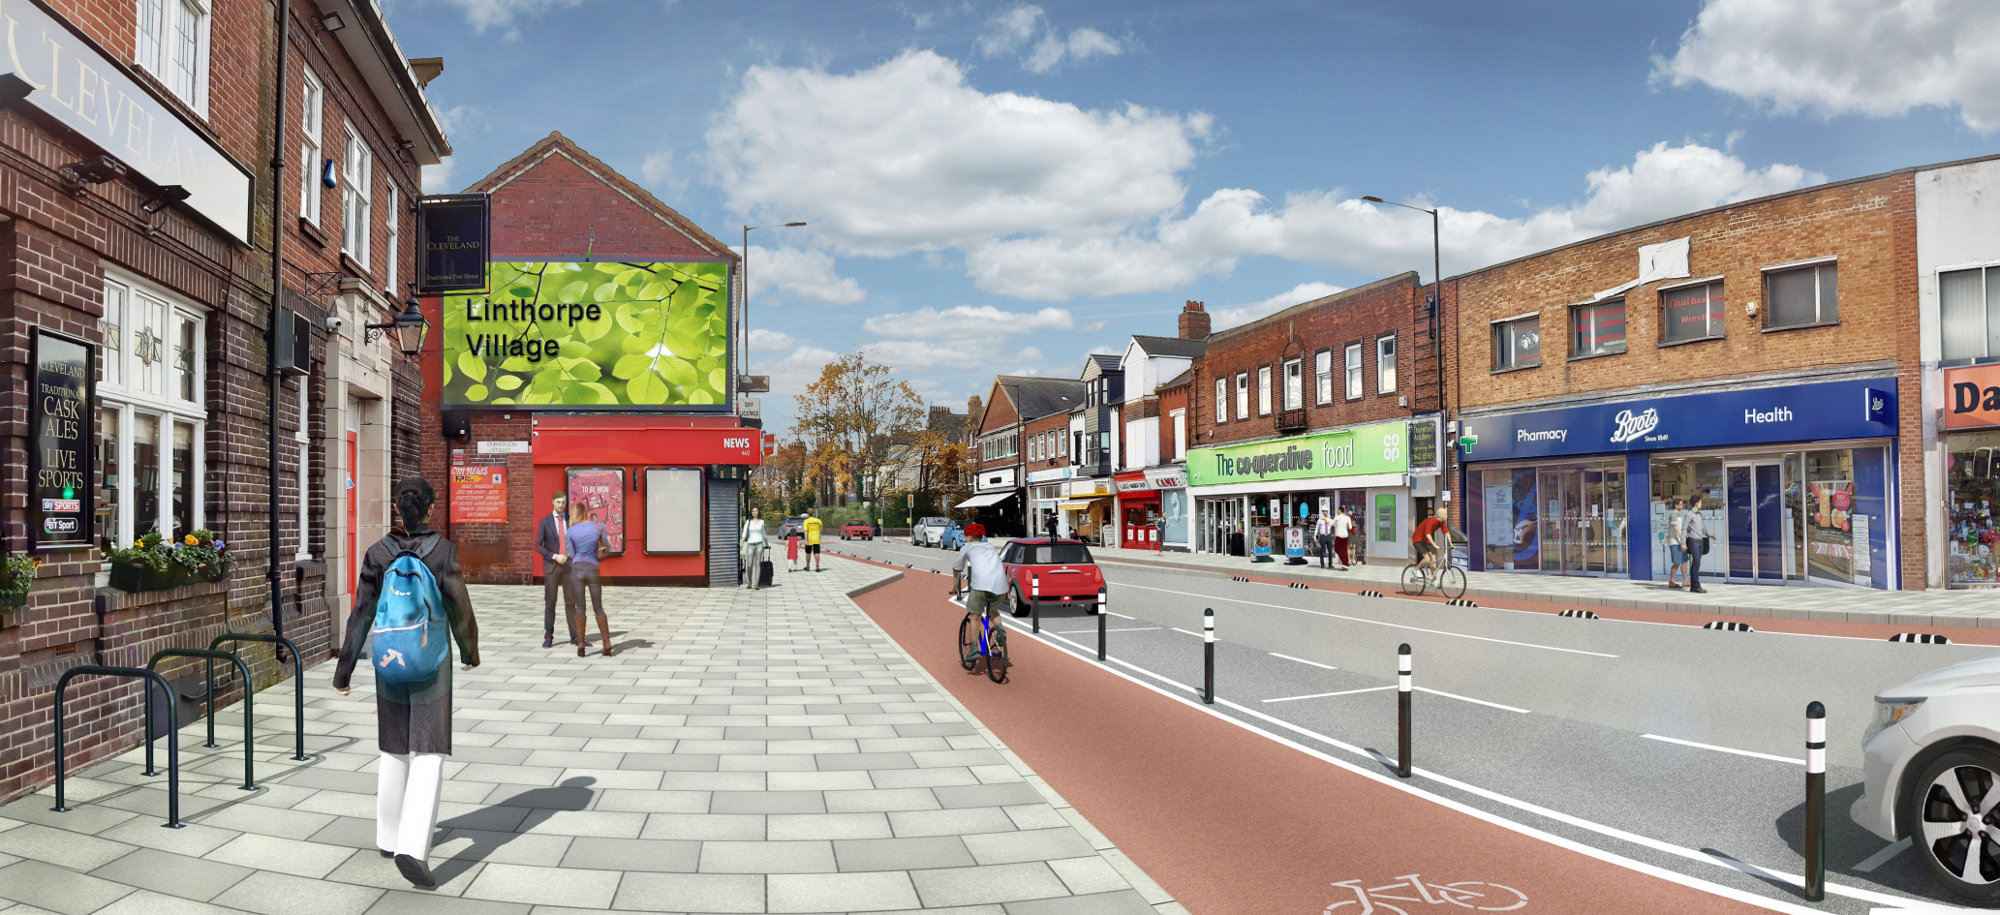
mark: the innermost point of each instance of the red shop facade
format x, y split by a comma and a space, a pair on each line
1138, 510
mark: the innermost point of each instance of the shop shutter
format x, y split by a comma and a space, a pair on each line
722, 525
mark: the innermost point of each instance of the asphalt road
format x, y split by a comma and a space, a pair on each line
1674, 745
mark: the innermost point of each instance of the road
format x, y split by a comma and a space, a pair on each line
1674, 745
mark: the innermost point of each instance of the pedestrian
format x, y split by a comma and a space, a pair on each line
812, 526
753, 547
1343, 536
1677, 555
1049, 524
1357, 538
586, 537
412, 697
1698, 540
549, 541
877, 535
1323, 539
792, 536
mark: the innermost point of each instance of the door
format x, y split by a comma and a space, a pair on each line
1756, 526
353, 515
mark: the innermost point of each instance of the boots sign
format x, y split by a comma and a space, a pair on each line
59, 422
1972, 397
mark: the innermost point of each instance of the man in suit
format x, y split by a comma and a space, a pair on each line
551, 537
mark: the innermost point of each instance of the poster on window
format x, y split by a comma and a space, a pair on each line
59, 422
601, 490
478, 495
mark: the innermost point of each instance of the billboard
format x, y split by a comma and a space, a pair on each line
583, 335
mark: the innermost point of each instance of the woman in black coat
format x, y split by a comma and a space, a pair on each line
413, 721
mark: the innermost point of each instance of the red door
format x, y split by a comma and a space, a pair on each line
353, 516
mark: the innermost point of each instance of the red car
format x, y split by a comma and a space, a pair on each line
861, 529
1067, 574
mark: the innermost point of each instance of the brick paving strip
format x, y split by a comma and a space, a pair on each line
768, 752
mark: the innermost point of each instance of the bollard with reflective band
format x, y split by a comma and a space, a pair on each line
1035, 599
1209, 656
1403, 710
1815, 839
1103, 610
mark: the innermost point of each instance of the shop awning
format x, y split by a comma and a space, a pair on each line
992, 498
1079, 504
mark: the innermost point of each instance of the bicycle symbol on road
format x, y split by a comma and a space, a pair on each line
1469, 894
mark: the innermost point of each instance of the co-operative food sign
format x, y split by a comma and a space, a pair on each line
582, 335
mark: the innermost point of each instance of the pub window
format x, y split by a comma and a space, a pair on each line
1323, 376
1295, 394
1802, 296
1597, 329
1970, 302
355, 187
1353, 356
312, 105
151, 416
1221, 400
1517, 343
392, 216
1242, 395
302, 438
172, 44
1263, 390
1691, 313
1385, 364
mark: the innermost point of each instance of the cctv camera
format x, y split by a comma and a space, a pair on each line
333, 324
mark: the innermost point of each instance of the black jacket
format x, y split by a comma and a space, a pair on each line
443, 560
548, 541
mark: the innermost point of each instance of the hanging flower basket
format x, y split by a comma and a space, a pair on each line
134, 577
16, 577
153, 563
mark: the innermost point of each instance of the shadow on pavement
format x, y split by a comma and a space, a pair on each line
573, 794
1847, 845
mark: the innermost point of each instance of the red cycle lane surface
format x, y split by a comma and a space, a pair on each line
1229, 821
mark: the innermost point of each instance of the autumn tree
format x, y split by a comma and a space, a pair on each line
847, 419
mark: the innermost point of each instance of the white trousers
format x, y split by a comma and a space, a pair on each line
406, 802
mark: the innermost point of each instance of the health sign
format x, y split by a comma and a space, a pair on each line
590, 335
1380, 448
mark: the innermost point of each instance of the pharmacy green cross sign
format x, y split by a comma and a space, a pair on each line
1468, 440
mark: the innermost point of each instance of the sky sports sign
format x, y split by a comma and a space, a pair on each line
1792, 413
1363, 450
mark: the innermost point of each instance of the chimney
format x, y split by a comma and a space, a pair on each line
940, 415
1194, 322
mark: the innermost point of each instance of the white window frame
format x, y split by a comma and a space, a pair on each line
392, 219
1263, 390
1180, 434
1352, 359
1323, 377
1502, 331
1295, 384
171, 41
1221, 400
1817, 266
155, 393
1242, 395
303, 438
1385, 364
312, 105
356, 232
1989, 275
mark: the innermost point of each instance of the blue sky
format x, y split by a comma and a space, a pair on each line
1003, 187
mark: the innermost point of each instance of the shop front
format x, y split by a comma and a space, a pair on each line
996, 503
1170, 482
1796, 482
1086, 510
1045, 493
1138, 511
1255, 491
1972, 476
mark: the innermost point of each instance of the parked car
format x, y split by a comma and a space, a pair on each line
953, 537
1932, 774
1069, 577
795, 524
861, 529
928, 531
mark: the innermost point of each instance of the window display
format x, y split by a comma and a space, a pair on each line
1829, 508
1974, 494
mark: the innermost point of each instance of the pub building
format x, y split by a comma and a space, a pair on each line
137, 252
593, 355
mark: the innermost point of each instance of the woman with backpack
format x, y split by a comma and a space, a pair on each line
411, 603
586, 537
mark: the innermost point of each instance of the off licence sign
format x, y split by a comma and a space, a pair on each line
478, 495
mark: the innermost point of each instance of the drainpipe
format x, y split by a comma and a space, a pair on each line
271, 337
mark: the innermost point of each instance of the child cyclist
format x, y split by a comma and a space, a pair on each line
983, 577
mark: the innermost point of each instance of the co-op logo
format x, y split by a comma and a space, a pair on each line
1633, 425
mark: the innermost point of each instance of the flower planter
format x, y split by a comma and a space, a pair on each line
126, 577
13, 601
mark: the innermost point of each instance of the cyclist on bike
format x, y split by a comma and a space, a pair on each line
1431, 537
979, 566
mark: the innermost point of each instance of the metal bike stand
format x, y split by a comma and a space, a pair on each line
173, 732
298, 681
212, 656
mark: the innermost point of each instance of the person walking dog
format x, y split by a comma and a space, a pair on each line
1698, 540
586, 537
753, 547
410, 625
549, 537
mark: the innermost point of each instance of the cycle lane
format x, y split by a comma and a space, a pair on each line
1231, 821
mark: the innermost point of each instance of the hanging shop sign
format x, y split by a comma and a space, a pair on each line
601, 490
1826, 411
453, 235
59, 420
1379, 448
91, 94
583, 336
478, 495
1972, 397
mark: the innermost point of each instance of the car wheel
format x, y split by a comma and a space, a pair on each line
1015, 604
1954, 821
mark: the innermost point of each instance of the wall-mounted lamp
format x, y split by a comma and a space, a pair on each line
332, 22
167, 195
94, 170
411, 328
13, 88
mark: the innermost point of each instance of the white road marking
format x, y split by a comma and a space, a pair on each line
1710, 746
1439, 692
1870, 863
1303, 661
1344, 692
1185, 632
1121, 615
1112, 629
1357, 619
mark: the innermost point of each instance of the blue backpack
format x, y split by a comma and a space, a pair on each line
412, 636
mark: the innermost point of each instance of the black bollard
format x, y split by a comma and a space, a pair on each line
1035, 599
1103, 611
1208, 656
1815, 840
1403, 710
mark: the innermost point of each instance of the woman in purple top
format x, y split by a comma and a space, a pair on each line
585, 537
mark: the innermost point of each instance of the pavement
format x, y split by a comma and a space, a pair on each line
1829, 604
739, 752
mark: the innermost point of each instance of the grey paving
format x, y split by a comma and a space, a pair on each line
769, 752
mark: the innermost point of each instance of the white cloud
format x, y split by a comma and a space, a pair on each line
462, 121
907, 157
1834, 57
1014, 31
437, 178
658, 170
502, 14
1009, 31
791, 373
1222, 318
966, 322
761, 339
800, 273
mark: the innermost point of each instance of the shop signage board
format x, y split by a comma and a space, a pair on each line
1424, 454
92, 95
1972, 397
1044, 476
60, 447
1824, 411
1138, 485
478, 495
1295, 542
1363, 450
582, 335
453, 236
503, 447
1166, 478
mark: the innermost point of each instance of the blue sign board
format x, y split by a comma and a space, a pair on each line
1824, 411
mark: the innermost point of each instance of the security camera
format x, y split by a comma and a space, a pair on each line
333, 324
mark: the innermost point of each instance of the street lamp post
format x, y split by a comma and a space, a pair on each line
744, 346
1437, 309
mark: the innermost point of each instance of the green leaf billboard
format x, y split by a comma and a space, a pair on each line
590, 335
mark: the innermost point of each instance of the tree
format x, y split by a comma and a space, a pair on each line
848, 418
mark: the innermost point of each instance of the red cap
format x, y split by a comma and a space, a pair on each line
975, 529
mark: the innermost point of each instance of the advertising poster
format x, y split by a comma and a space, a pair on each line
1262, 539
478, 495
590, 335
1295, 542
1499, 523
1527, 542
602, 491
59, 420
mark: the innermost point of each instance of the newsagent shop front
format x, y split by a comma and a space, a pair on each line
1797, 484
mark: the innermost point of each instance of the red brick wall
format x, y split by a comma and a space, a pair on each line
1171, 399
1000, 416
1058, 456
553, 209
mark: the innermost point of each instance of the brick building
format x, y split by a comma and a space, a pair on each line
1048, 469
1000, 465
641, 428
1151, 478
138, 300
1312, 408
1754, 355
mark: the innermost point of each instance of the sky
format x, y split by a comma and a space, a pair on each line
1008, 187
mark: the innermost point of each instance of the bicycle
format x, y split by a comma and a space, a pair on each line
986, 640
1464, 894
1444, 575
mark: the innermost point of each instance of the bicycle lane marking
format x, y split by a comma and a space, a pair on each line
1249, 814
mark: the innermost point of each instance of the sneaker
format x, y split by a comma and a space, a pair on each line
415, 871
548, 641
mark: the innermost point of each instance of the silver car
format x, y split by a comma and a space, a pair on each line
929, 531
1932, 763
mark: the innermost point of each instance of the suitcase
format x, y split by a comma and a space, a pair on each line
764, 570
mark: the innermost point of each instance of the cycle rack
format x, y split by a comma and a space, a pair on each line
173, 732
298, 684
249, 743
